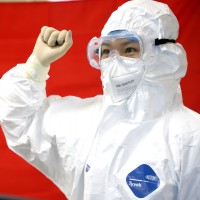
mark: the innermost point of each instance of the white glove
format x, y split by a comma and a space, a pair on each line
52, 44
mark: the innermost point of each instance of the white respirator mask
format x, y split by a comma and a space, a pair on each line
118, 56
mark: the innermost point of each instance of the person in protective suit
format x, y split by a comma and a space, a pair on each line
135, 141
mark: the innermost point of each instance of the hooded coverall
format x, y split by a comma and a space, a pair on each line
146, 146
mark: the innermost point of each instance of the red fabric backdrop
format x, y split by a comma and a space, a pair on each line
71, 75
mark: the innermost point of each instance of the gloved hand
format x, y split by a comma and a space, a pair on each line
52, 44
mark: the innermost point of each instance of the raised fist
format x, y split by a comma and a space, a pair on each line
52, 44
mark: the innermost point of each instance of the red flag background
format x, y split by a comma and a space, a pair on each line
20, 24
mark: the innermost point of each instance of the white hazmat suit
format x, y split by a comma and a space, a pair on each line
146, 145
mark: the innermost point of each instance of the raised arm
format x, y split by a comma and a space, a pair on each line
23, 104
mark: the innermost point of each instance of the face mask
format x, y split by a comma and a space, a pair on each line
121, 76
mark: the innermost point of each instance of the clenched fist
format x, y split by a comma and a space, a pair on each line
52, 44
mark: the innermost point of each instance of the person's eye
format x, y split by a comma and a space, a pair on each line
105, 53
130, 50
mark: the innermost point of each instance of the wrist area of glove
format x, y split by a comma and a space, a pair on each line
35, 70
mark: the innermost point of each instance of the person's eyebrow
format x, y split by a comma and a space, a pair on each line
129, 42
106, 44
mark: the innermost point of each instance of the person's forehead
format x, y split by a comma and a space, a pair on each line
119, 41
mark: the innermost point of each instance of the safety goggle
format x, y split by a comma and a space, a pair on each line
120, 42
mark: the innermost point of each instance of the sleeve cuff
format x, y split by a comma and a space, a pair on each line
34, 70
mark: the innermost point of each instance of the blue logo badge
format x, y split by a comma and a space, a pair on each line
142, 181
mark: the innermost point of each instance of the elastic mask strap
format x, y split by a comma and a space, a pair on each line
163, 41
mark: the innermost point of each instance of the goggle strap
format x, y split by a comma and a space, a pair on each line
163, 41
